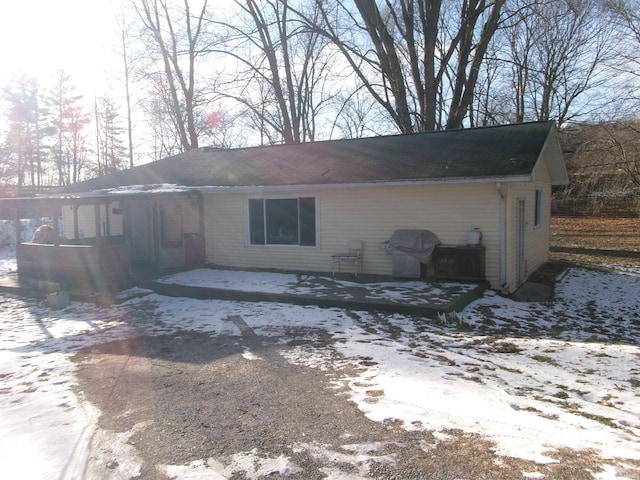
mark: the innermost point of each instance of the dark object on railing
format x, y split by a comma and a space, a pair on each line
459, 262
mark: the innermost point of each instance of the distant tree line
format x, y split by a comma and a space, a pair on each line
258, 72
47, 140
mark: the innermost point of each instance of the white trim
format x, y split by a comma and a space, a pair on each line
264, 189
503, 238
521, 240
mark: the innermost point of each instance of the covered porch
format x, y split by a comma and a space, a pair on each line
104, 242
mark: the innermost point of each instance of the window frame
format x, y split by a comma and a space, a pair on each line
263, 223
538, 203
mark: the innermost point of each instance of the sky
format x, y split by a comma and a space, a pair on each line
81, 37
39, 37
532, 377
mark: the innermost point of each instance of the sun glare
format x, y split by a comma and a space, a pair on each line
39, 37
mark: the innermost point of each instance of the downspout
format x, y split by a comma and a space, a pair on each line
503, 238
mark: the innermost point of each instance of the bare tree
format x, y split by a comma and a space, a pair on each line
358, 115
127, 74
415, 57
160, 120
624, 139
284, 68
558, 52
605, 157
492, 103
175, 34
479, 21
627, 18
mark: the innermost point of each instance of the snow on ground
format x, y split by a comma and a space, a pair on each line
404, 292
539, 377
533, 377
8, 233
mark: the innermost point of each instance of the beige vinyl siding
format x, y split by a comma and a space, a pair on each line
369, 214
536, 238
449, 211
226, 227
86, 221
67, 221
541, 234
541, 172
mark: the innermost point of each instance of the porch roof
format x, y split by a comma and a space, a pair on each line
52, 201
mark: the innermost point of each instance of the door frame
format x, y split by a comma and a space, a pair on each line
520, 242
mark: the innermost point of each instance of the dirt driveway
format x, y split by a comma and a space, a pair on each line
189, 396
199, 397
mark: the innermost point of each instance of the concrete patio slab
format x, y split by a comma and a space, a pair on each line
533, 292
364, 292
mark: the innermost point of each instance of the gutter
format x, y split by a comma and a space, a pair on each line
381, 184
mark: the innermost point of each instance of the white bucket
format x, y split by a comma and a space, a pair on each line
475, 237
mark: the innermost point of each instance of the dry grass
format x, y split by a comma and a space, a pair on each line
591, 240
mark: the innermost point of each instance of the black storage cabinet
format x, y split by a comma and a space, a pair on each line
459, 262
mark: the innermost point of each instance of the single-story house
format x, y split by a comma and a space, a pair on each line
292, 207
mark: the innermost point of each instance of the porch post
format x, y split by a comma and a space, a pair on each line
55, 216
201, 212
156, 234
107, 218
76, 230
96, 214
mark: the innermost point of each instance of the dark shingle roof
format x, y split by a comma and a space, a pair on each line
491, 152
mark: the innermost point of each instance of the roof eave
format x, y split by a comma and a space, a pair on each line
380, 184
100, 196
92, 197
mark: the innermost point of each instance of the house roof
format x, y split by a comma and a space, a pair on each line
478, 154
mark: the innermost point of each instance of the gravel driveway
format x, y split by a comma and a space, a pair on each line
189, 396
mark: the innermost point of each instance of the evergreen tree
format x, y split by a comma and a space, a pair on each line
24, 143
112, 153
68, 119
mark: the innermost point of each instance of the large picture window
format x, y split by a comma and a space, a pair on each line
282, 221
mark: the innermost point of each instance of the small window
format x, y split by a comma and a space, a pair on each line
538, 210
282, 221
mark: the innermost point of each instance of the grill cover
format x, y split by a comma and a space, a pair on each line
418, 244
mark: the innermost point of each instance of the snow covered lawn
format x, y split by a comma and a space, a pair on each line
531, 377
